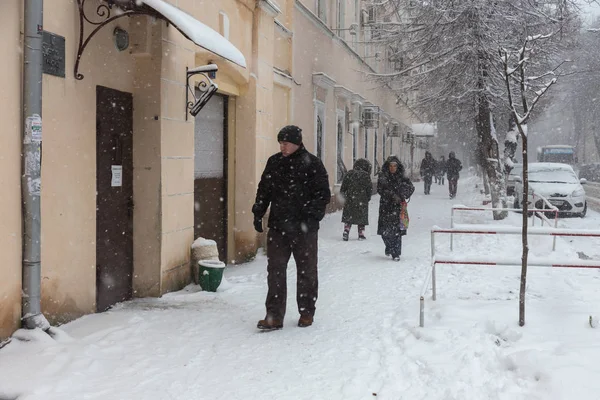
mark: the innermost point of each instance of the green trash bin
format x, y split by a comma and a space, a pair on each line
210, 274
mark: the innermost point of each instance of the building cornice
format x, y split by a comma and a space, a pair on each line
321, 79
286, 32
341, 91
270, 7
357, 98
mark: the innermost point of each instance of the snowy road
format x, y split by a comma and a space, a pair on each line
365, 342
592, 194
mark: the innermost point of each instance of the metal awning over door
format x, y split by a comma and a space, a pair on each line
190, 27
197, 32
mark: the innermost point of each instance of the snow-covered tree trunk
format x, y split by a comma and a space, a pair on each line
490, 156
510, 145
525, 244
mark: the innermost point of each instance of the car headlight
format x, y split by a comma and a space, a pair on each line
578, 193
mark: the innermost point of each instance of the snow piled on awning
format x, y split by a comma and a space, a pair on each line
425, 129
197, 32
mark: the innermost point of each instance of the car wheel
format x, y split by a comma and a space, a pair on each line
584, 212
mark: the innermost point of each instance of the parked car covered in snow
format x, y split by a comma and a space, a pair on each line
558, 183
517, 171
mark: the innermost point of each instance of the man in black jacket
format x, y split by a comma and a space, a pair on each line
296, 186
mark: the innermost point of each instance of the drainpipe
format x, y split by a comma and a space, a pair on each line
31, 156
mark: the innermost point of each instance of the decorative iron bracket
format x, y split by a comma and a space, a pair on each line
126, 8
206, 87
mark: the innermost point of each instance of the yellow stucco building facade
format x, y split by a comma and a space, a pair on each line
130, 178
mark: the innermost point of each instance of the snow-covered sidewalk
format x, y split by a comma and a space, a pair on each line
365, 342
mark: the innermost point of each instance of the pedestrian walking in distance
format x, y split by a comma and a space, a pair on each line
356, 191
427, 170
296, 187
394, 188
440, 170
453, 167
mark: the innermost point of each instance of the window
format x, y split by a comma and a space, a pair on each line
319, 137
224, 25
367, 40
375, 161
319, 129
384, 143
341, 168
366, 144
322, 10
354, 143
341, 17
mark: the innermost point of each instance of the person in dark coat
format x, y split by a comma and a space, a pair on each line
453, 166
427, 170
440, 170
356, 191
393, 187
296, 187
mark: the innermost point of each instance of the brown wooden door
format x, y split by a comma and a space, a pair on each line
210, 173
114, 198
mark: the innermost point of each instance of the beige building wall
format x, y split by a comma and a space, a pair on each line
153, 70
177, 162
295, 62
147, 48
69, 164
255, 138
10, 167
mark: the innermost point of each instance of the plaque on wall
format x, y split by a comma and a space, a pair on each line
53, 50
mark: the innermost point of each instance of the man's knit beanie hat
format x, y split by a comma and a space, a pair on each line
290, 133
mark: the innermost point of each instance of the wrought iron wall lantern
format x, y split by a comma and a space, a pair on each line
205, 88
125, 8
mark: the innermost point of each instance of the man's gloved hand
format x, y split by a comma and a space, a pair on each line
258, 224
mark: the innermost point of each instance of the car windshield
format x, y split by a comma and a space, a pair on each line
552, 175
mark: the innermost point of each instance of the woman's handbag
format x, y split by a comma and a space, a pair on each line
404, 220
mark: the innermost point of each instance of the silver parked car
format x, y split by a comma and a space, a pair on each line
558, 183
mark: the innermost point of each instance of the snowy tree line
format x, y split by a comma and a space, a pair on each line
448, 57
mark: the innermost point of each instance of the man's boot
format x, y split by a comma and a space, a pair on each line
305, 320
269, 324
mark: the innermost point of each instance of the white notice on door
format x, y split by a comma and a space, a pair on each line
117, 175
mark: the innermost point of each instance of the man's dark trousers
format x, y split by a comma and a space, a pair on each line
280, 246
452, 186
427, 180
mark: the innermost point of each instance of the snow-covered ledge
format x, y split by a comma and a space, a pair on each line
321, 79
341, 91
357, 99
270, 7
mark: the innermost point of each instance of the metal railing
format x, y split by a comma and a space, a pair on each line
509, 230
536, 212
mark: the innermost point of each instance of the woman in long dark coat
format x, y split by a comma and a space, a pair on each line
394, 188
357, 190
